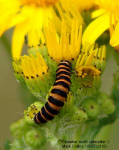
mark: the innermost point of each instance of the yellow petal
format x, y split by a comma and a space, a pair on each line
33, 38
28, 10
47, 15
5, 19
4, 22
95, 29
17, 19
97, 13
11, 5
7, 10
114, 41
18, 39
35, 16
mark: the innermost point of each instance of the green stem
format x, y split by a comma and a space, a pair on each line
77, 135
52, 138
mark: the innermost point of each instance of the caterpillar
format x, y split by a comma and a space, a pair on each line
58, 94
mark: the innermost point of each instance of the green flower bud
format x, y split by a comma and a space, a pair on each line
19, 128
18, 145
107, 106
32, 110
35, 138
92, 108
78, 114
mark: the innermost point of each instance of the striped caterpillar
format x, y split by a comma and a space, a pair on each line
58, 94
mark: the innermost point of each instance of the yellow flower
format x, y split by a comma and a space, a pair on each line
34, 67
107, 17
64, 47
33, 71
30, 16
90, 65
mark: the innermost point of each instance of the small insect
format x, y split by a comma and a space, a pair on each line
58, 94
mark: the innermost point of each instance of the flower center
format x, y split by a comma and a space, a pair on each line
88, 74
90, 71
39, 3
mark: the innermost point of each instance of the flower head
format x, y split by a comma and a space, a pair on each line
106, 18
91, 108
33, 70
64, 47
89, 67
29, 18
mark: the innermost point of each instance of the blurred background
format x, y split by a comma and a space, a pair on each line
12, 106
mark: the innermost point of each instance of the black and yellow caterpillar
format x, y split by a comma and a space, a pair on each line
58, 94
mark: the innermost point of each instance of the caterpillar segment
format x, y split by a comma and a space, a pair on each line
58, 94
